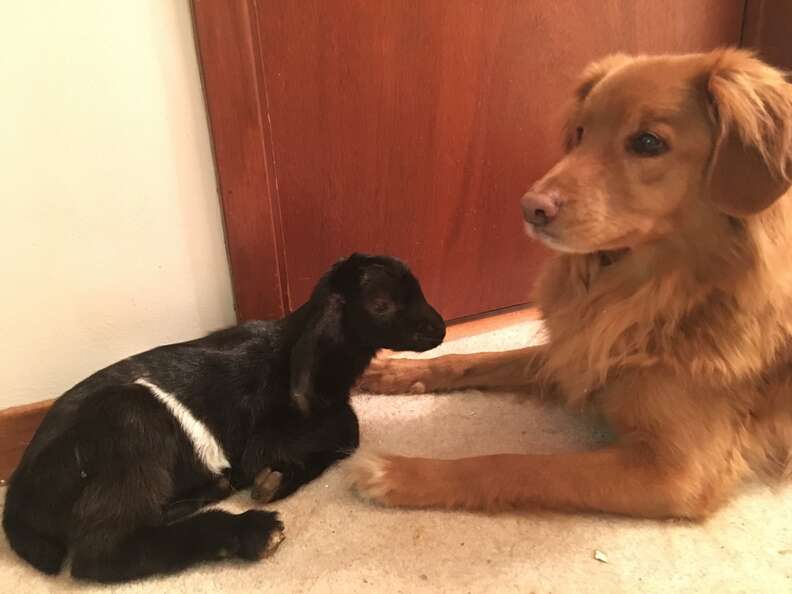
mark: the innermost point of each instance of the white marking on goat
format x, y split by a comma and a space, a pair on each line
207, 448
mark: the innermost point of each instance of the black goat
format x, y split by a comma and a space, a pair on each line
124, 458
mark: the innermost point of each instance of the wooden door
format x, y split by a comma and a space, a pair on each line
407, 127
767, 28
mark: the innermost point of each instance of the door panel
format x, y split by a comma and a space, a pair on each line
413, 127
768, 30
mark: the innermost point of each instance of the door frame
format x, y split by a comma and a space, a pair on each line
235, 92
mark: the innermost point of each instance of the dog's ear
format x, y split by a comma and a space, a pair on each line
592, 74
750, 105
322, 330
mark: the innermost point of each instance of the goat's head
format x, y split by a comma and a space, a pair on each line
384, 306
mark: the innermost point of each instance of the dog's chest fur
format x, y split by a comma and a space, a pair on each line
613, 316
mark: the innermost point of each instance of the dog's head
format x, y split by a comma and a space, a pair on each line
655, 144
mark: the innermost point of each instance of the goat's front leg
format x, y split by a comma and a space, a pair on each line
507, 369
256, 456
329, 439
280, 481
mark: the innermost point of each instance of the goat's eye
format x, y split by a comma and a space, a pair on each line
647, 144
381, 306
578, 134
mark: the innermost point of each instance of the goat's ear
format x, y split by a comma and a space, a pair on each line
592, 74
751, 110
324, 329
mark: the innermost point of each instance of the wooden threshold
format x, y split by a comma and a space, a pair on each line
17, 424
495, 320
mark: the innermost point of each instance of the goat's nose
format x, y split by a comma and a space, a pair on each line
539, 208
432, 326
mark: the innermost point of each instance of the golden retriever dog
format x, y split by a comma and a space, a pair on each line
668, 307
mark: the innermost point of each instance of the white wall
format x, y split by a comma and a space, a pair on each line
111, 239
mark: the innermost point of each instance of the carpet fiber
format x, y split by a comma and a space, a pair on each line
338, 543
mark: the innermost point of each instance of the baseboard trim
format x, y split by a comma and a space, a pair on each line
19, 423
491, 321
17, 426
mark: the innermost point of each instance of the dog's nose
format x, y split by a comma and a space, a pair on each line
539, 208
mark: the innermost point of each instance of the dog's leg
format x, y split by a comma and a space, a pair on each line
679, 455
618, 479
513, 369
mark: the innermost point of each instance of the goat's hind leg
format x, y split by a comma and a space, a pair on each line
207, 536
123, 538
118, 530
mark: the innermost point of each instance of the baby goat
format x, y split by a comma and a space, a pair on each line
124, 458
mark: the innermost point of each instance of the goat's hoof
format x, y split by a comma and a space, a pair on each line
261, 533
274, 541
265, 485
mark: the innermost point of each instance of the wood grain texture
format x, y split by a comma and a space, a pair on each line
236, 102
413, 127
768, 29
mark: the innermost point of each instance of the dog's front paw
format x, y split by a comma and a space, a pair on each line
367, 472
395, 376
399, 481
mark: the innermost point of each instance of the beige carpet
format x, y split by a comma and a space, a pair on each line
337, 543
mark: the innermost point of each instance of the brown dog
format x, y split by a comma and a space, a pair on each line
669, 308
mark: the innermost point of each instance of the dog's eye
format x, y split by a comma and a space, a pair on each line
578, 134
646, 144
